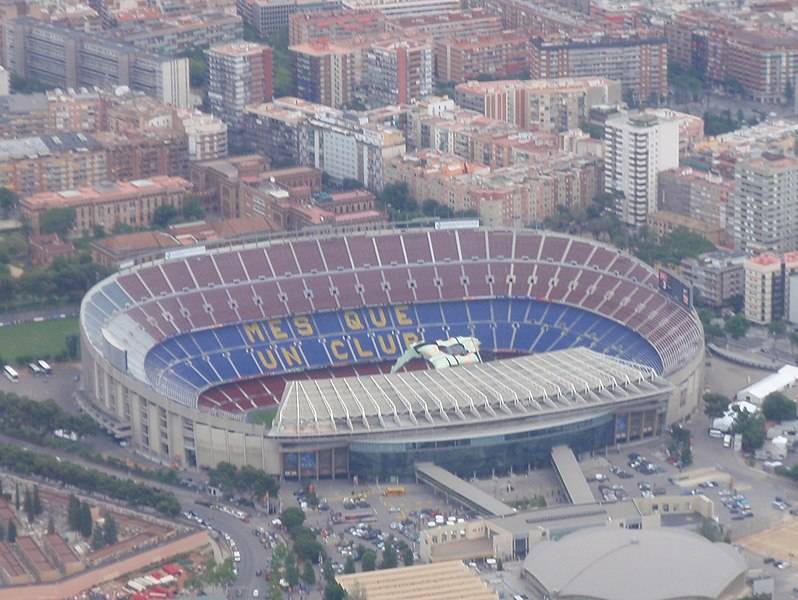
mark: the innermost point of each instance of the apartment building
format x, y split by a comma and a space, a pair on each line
109, 204
637, 148
144, 154
405, 8
175, 35
216, 182
767, 286
718, 278
552, 105
764, 205
346, 146
334, 26
276, 131
398, 72
324, 72
462, 24
441, 125
517, 196
271, 16
504, 54
638, 62
764, 62
206, 135
64, 58
47, 163
702, 196
239, 74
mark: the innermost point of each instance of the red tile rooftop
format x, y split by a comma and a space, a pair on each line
765, 259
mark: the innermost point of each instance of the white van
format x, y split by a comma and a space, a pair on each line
715, 433
727, 440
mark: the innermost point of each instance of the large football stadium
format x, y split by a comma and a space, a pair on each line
278, 354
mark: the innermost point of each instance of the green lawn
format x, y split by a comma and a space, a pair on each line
262, 416
46, 339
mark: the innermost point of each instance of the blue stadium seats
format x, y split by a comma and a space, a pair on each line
455, 312
517, 325
429, 314
223, 366
327, 323
206, 340
245, 363
479, 310
229, 337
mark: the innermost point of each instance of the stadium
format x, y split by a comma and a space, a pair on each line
278, 354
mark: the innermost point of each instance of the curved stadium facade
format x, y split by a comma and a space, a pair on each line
579, 346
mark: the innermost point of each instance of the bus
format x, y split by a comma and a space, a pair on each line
394, 490
44, 367
35, 369
10, 373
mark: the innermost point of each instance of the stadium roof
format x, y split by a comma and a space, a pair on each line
548, 384
438, 581
640, 564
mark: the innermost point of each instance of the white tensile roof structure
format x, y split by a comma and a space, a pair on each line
550, 384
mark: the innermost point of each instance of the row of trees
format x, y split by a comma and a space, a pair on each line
598, 220
65, 281
401, 206
26, 463
215, 574
35, 421
735, 325
248, 481
776, 406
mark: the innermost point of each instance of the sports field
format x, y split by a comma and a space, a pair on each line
36, 340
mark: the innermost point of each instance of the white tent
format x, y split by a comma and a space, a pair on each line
775, 382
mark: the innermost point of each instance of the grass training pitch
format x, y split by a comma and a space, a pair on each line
36, 339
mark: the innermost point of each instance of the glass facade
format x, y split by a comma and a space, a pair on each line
480, 455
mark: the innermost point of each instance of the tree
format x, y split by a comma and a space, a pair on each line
711, 530
110, 534
407, 557
715, 405
309, 573
291, 570
737, 326
686, 457
349, 565
390, 559
777, 407
73, 513
334, 591
369, 562
86, 522
752, 428
193, 210
27, 504
97, 539
58, 220
12, 531
327, 570
306, 546
292, 518
8, 201
163, 216
36, 501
